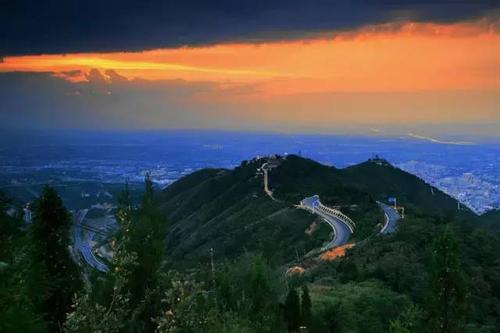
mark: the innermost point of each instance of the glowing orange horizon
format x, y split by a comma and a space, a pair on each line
384, 58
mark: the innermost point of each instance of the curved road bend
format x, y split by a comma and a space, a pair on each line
84, 246
340, 229
391, 218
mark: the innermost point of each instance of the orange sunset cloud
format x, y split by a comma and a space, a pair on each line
403, 57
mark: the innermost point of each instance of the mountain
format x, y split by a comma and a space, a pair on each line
382, 180
491, 219
229, 211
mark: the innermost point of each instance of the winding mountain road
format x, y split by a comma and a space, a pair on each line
342, 226
265, 169
391, 218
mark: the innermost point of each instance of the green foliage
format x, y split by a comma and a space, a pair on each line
244, 298
491, 219
356, 307
20, 318
229, 212
17, 311
292, 310
146, 238
306, 307
382, 180
250, 288
448, 287
184, 304
403, 262
129, 298
10, 231
297, 178
90, 316
55, 278
410, 321
106, 307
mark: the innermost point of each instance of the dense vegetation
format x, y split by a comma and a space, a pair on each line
227, 211
381, 180
428, 254
490, 219
228, 247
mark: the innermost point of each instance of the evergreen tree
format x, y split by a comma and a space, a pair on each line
259, 288
409, 321
146, 237
91, 316
52, 266
16, 307
292, 310
137, 281
9, 232
447, 284
106, 307
305, 306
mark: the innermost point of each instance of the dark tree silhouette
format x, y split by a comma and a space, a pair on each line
292, 310
305, 307
448, 285
58, 273
146, 239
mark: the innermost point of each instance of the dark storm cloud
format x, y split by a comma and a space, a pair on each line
34, 27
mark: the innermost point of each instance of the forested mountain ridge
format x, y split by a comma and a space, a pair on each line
381, 179
376, 177
229, 211
384, 283
491, 219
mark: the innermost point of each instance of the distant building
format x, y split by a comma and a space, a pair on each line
379, 161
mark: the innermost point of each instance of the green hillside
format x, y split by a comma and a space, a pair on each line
383, 180
491, 219
297, 178
372, 180
228, 210
402, 264
379, 281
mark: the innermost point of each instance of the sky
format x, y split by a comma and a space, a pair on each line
364, 67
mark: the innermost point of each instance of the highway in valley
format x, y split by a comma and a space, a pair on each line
83, 245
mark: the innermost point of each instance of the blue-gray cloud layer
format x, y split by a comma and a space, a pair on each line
50, 26
41, 100
108, 101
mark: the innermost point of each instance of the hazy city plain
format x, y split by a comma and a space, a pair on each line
77, 163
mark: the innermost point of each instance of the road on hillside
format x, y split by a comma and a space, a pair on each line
265, 169
340, 229
391, 218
